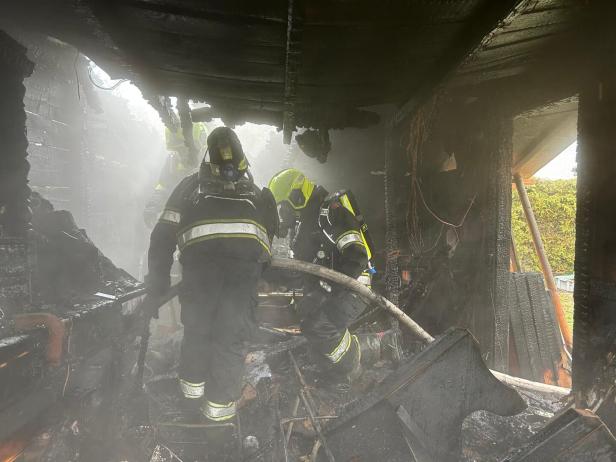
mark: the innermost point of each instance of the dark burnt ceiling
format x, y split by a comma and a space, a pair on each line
314, 63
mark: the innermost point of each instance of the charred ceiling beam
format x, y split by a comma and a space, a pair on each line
107, 13
163, 106
475, 36
73, 22
546, 83
331, 117
199, 26
243, 13
237, 115
186, 124
295, 26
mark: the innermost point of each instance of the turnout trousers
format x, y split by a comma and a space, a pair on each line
325, 318
217, 297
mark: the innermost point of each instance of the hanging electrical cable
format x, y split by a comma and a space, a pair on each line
100, 87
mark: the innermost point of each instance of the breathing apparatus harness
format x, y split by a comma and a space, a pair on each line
347, 200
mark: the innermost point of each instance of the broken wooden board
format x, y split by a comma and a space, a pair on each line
420, 407
576, 435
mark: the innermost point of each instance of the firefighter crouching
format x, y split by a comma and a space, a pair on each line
326, 229
222, 224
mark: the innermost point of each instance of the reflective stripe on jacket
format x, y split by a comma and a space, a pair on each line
217, 229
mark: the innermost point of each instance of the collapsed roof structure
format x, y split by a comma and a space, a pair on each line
463, 94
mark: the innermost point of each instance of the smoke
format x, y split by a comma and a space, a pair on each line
93, 152
113, 151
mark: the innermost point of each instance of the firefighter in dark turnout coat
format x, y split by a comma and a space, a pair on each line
330, 231
222, 224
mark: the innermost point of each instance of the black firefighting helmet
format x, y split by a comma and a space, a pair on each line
226, 151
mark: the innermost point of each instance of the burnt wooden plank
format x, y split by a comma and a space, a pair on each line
519, 296
433, 392
470, 39
232, 11
201, 26
545, 324
574, 436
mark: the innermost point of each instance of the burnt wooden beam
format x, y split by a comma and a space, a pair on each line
476, 35
394, 169
574, 435
241, 13
201, 27
186, 124
594, 334
162, 105
495, 144
293, 56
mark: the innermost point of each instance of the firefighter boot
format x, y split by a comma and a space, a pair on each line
380, 346
347, 370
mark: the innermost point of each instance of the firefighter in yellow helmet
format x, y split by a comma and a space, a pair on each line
329, 230
179, 163
222, 224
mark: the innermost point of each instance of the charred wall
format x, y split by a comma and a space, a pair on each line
90, 155
594, 335
14, 167
452, 218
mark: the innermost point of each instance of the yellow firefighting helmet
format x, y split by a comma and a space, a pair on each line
292, 186
174, 141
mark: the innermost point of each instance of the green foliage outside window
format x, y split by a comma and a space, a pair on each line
553, 202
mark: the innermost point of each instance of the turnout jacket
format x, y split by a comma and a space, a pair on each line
207, 216
329, 234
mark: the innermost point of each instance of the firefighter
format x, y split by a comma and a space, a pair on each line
179, 163
222, 224
326, 229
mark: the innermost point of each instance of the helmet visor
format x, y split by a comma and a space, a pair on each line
297, 198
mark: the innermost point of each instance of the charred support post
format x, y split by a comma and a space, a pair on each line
491, 325
392, 248
594, 335
14, 190
292, 64
500, 236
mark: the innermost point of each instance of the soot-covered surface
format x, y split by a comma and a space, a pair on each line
271, 393
488, 437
